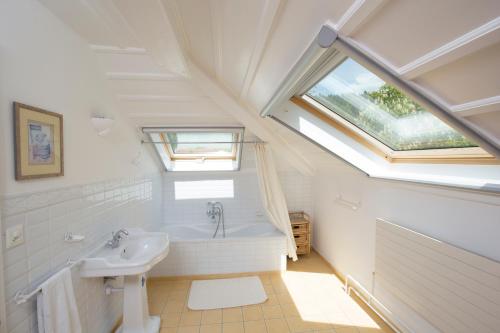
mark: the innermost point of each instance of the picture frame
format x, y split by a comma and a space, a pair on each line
39, 145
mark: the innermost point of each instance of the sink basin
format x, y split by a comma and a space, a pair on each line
137, 254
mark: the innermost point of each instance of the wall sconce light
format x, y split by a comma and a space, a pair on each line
102, 125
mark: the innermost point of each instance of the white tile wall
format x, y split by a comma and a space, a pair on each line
253, 254
244, 207
298, 191
93, 210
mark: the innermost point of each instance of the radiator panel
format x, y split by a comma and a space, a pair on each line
453, 289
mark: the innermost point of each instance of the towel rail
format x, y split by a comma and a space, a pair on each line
20, 297
350, 204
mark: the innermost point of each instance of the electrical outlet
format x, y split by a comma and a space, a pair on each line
14, 236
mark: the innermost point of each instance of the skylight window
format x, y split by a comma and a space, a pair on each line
383, 112
354, 106
195, 144
198, 149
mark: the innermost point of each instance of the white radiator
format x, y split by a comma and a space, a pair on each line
452, 289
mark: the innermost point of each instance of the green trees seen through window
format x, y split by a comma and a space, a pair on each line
382, 111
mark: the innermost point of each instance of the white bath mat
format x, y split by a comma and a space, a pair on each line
226, 293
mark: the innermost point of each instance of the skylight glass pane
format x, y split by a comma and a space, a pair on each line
198, 148
203, 143
382, 111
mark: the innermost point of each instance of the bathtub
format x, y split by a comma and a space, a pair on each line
251, 247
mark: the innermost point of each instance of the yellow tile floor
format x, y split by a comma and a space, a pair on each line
308, 297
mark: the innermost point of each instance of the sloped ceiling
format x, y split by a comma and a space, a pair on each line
448, 48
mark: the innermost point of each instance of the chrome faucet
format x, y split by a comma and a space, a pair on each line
117, 237
212, 210
215, 211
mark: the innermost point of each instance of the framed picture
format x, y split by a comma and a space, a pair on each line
39, 142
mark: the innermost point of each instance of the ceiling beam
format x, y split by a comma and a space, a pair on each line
117, 50
485, 105
486, 35
358, 14
250, 119
160, 98
144, 76
270, 15
196, 115
477, 39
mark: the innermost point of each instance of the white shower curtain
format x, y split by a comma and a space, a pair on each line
273, 197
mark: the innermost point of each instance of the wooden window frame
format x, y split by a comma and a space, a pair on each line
187, 157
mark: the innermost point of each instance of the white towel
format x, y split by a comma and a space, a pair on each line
56, 305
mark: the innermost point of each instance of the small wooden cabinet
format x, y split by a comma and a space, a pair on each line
301, 227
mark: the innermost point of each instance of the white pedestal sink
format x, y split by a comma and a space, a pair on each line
135, 255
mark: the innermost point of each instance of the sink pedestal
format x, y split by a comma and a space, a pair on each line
132, 258
136, 318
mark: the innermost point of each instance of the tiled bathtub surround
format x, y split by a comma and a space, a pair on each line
240, 194
237, 255
93, 210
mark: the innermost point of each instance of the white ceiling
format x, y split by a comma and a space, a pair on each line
403, 31
449, 48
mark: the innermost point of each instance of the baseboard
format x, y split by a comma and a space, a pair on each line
358, 294
208, 276
335, 271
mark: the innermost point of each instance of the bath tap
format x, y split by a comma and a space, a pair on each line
216, 210
117, 236
213, 210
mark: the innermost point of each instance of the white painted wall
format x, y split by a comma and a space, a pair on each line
346, 238
44, 64
467, 175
